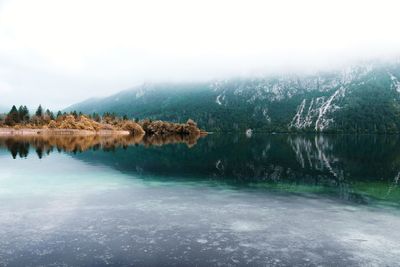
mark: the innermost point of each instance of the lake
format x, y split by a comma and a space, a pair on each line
264, 200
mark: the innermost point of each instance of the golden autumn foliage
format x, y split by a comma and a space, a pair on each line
166, 128
79, 132
131, 126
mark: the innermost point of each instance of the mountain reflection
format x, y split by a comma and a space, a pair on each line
351, 167
342, 165
20, 145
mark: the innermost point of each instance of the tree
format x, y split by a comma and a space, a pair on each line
12, 117
59, 114
191, 122
26, 112
74, 113
23, 113
20, 113
39, 111
50, 114
96, 117
9, 121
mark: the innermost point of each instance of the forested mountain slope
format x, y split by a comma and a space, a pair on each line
363, 98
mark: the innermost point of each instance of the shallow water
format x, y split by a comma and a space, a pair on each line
229, 200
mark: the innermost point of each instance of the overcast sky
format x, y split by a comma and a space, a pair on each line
57, 52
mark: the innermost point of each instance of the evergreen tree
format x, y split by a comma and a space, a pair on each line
39, 111
23, 113
59, 114
14, 115
13, 109
96, 117
50, 114
26, 113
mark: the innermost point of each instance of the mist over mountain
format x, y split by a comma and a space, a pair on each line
49, 59
363, 98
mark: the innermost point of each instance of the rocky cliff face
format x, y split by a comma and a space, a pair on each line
363, 98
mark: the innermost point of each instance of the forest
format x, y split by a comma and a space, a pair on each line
20, 118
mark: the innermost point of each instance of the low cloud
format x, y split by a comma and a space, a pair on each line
60, 52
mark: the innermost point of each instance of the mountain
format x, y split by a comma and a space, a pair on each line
364, 98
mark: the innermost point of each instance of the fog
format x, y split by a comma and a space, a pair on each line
60, 52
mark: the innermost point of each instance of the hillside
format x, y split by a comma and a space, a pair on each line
363, 98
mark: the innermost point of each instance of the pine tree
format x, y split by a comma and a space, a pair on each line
23, 114
9, 119
39, 111
59, 114
14, 115
96, 117
26, 113
50, 114
13, 109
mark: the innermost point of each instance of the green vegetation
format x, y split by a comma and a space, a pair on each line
369, 102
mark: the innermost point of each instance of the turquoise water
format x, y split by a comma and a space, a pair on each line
229, 200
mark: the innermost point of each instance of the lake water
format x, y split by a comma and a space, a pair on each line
268, 200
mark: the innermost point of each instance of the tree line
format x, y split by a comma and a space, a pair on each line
22, 116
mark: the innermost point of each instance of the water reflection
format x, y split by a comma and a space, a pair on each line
161, 140
268, 200
45, 144
355, 168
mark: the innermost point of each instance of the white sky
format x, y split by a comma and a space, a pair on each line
58, 52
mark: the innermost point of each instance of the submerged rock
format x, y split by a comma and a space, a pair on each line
249, 133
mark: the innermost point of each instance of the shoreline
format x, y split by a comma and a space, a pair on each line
59, 132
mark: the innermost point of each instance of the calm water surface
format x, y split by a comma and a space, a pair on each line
268, 200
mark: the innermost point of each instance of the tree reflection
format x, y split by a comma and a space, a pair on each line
46, 144
17, 148
355, 168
